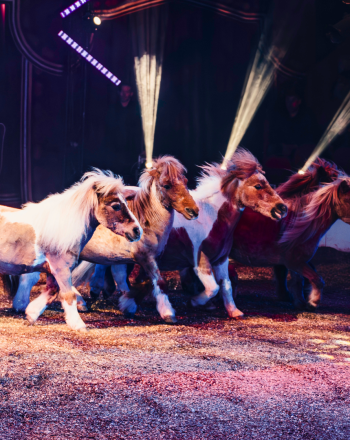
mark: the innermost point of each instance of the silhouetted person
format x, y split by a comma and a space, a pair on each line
293, 136
123, 141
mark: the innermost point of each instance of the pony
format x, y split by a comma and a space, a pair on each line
162, 190
48, 236
204, 244
256, 238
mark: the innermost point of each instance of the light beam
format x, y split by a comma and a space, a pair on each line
334, 129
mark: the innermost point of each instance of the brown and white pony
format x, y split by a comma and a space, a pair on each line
48, 236
163, 190
204, 244
256, 237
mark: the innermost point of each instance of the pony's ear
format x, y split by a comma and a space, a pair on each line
154, 172
130, 192
344, 187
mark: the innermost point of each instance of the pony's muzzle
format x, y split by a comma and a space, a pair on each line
135, 235
279, 211
192, 213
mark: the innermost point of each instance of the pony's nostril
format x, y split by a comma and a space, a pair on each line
191, 212
136, 231
282, 208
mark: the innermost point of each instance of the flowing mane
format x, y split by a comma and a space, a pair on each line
298, 185
145, 204
241, 166
315, 216
61, 220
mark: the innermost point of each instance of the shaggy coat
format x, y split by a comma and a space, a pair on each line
162, 190
204, 243
48, 236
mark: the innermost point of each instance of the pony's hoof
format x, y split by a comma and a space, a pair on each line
82, 308
94, 295
30, 320
170, 320
82, 330
210, 306
236, 314
129, 315
310, 307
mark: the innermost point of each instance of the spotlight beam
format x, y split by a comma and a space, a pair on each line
257, 85
336, 127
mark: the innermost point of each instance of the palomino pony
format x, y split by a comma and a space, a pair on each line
204, 244
163, 189
256, 238
48, 236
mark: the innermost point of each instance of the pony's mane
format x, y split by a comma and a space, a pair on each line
242, 165
61, 220
320, 171
316, 214
146, 204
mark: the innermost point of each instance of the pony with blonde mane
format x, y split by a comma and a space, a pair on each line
204, 243
162, 190
48, 236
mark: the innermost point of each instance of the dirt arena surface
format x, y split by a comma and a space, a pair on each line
277, 374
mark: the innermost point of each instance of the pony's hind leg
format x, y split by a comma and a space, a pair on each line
222, 278
39, 304
127, 303
204, 272
97, 281
26, 283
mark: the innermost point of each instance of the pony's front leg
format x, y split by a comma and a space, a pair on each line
222, 278
26, 283
61, 270
164, 307
204, 272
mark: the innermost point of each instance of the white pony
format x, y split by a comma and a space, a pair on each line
48, 236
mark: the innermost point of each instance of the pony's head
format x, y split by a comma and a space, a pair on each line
244, 183
168, 177
110, 207
342, 207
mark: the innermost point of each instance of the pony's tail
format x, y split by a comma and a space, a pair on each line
10, 284
82, 273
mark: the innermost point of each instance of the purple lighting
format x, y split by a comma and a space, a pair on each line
73, 7
89, 57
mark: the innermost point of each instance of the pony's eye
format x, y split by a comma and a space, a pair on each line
117, 207
166, 186
258, 186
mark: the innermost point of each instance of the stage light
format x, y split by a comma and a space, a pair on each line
334, 129
97, 20
73, 7
149, 165
301, 172
83, 53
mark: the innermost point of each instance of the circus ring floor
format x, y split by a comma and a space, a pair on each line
277, 374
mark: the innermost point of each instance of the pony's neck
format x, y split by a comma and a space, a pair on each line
161, 216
